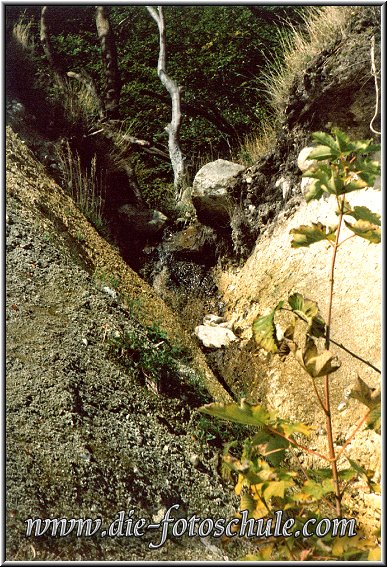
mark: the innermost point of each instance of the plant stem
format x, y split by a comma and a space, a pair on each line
327, 408
293, 442
362, 420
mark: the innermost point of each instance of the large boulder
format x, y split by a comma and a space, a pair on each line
211, 191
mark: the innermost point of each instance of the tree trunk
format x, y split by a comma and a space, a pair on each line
45, 38
173, 128
109, 59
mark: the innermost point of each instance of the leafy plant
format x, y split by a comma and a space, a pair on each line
149, 351
266, 478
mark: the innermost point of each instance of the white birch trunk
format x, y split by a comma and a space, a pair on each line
173, 128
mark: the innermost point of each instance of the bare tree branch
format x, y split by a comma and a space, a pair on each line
173, 128
210, 113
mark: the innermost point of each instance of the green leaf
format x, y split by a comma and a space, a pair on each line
358, 468
264, 331
296, 427
315, 191
319, 474
366, 147
314, 490
323, 153
335, 183
306, 235
363, 213
347, 474
271, 447
353, 185
374, 420
308, 309
276, 488
365, 229
247, 502
244, 413
344, 143
303, 305
326, 140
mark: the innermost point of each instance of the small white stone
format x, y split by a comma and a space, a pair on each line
342, 406
110, 291
194, 459
214, 337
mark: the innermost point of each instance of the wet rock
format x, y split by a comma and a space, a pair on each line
211, 191
142, 221
195, 243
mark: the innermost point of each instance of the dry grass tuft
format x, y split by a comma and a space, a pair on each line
321, 27
22, 34
79, 104
257, 144
86, 187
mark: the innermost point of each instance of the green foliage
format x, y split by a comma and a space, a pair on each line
149, 351
215, 53
306, 235
348, 169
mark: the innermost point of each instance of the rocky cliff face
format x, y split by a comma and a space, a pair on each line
336, 89
89, 434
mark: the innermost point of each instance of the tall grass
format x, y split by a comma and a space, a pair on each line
86, 186
79, 105
23, 35
321, 26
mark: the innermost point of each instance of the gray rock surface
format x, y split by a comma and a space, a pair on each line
87, 435
211, 191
